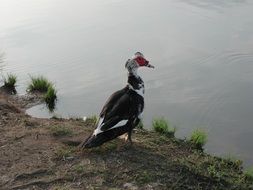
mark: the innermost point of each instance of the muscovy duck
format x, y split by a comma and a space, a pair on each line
122, 111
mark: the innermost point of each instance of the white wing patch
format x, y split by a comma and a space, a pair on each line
119, 124
98, 129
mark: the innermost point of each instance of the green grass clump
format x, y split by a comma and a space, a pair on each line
162, 126
199, 138
10, 81
40, 84
249, 173
50, 97
58, 131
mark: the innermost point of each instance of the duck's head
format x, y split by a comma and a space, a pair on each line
137, 61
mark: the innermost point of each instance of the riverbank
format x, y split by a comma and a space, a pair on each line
43, 154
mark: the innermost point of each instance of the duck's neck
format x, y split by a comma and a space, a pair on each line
136, 83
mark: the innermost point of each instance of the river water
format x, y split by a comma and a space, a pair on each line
202, 50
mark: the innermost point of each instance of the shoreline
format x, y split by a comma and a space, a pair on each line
43, 154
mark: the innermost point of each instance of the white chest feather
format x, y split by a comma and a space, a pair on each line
140, 90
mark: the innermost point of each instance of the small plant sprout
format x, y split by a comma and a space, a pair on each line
199, 138
10, 81
162, 126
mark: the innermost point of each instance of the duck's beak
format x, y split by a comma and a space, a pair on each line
149, 65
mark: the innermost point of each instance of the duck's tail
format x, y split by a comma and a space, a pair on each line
99, 139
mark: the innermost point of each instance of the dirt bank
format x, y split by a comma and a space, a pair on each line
43, 154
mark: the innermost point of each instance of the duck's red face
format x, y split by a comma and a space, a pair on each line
141, 61
139, 58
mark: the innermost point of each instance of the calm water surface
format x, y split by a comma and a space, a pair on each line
202, 50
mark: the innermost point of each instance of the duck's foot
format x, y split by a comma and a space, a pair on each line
128, 138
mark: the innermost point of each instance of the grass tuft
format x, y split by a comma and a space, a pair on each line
50, 97
249, 173
10, 81
40, 84
58, 131
199, 138
162, 126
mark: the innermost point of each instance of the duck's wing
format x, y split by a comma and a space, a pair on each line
112, 100
116, 111
116, 118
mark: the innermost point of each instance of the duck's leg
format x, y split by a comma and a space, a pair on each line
129, 137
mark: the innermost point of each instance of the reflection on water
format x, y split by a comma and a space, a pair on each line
50, 98
202, 51
51, 106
